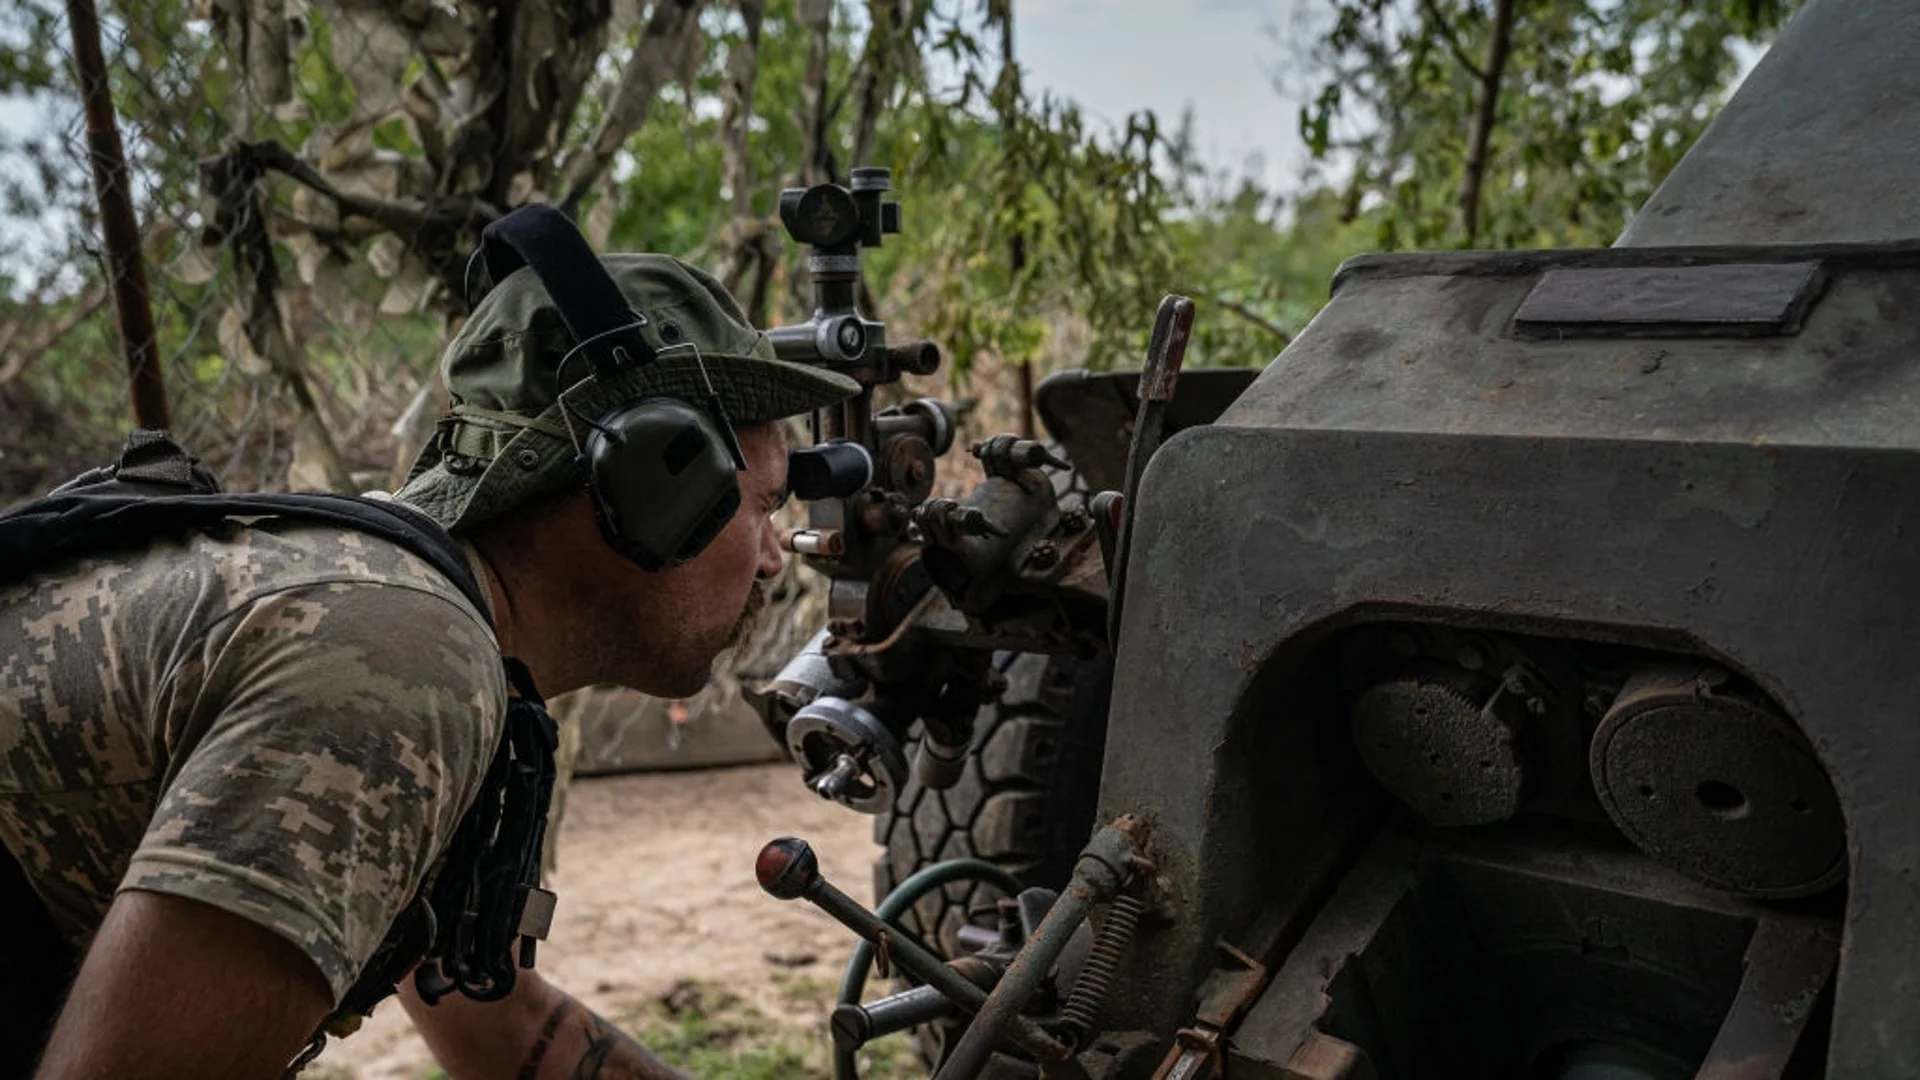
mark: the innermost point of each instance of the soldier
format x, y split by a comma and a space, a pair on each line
229, 761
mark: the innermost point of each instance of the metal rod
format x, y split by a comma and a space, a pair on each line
1103, 867
1166, 351
891, 910
854, 1026
131, 305
928, 968
787, 869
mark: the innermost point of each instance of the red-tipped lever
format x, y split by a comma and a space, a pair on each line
788, 870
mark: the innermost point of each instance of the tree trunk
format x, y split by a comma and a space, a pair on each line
875, 81
1007, 94
745, 250
815, 159
1499, 42
671, 31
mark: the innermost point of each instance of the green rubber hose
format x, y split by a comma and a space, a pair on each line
897, 904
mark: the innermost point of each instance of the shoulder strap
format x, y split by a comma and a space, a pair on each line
157, 489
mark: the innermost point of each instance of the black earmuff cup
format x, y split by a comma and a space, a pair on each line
663, 480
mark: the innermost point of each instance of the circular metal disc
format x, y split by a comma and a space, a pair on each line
1437, 751
1720, 789
830, 726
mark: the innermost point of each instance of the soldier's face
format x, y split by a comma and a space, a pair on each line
708, 603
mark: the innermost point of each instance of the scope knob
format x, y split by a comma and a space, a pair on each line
787, 868
870, 178
823, 215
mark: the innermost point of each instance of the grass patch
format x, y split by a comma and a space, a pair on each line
712, 1034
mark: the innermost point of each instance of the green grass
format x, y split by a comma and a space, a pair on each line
711, 1034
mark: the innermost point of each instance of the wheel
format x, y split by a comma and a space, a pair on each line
1025, 801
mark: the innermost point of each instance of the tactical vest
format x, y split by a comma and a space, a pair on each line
472, 927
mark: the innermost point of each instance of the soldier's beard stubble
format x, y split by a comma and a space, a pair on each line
749, 619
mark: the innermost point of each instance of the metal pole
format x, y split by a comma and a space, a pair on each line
129, 272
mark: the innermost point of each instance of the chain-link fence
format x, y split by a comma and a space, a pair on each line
308, 178
291, 243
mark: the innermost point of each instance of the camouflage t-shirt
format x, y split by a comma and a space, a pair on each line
282, 720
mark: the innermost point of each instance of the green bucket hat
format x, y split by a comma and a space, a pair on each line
507, 440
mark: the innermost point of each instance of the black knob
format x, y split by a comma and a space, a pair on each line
832, 470
787, 868
870, 178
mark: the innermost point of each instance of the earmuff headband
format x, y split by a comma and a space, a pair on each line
596, 312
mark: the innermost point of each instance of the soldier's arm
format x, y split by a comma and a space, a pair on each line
214, 994
535, 1033
332, 767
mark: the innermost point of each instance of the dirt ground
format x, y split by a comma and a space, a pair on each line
656, 889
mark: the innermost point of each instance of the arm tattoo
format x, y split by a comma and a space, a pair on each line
609, 1054
530, 1068
601, 1039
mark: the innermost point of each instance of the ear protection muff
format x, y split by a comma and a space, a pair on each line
663, 482
663, 472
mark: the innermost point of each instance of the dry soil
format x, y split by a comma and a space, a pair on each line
656, 889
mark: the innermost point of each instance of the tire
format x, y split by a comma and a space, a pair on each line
1025, 800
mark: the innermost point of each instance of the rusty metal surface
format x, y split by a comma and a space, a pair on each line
1492, 957
1423, 344
1435, 741
1718, 785
1228, 992
1104, 866
1788, 964
1816, 146
1669, 301
1166, 351
1323, 1057
1264, 531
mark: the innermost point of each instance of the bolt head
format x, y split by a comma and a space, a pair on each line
786, 868
850, 1027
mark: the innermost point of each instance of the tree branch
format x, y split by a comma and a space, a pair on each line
672, 28
817, 17
876, 76
1499, 41
1252, 316
405, 219
1445, 29
743, 231
84, 308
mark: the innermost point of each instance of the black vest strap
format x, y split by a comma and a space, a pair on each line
59, 527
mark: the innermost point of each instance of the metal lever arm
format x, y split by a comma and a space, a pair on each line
1166, 351
1104, 865
788, 870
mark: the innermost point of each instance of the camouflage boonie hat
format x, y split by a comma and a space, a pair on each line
506, 440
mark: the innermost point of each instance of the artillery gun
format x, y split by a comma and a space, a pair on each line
1514, 680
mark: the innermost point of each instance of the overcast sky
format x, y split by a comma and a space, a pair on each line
1218, 56
1115, 57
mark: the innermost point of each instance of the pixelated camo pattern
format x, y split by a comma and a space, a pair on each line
283, 720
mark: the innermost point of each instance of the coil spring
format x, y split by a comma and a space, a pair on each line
1103, 963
